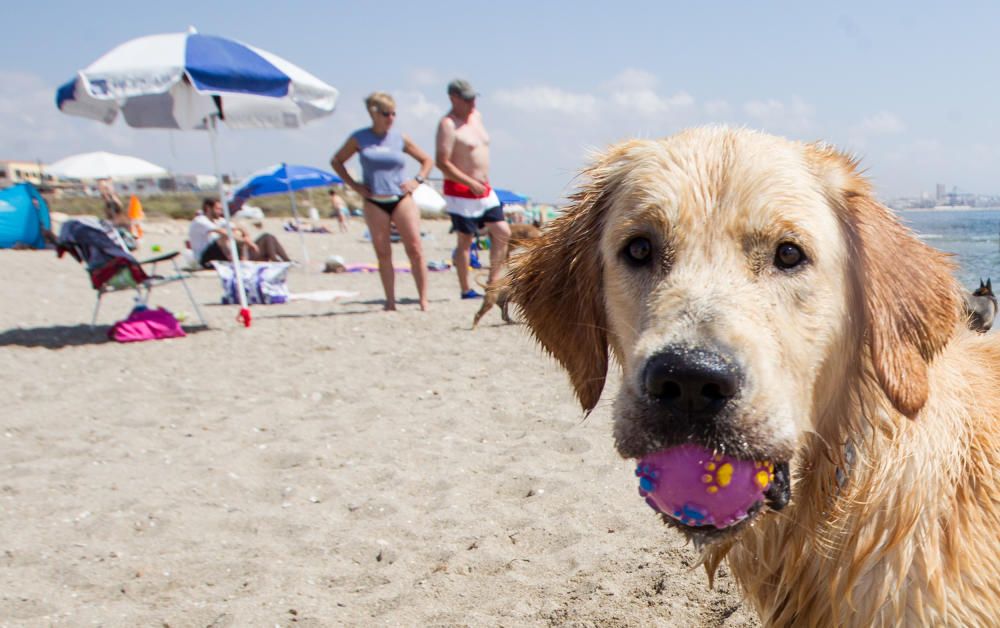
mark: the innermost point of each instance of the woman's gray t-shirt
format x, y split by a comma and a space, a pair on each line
382, 161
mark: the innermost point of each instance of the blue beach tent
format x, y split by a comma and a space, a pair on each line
23, 215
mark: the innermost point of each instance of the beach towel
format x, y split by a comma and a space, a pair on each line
263, 282
146, 324
371, 268
362, 267
304, 228
321, 296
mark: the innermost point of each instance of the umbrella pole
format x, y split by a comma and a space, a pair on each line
298, 222
244, 315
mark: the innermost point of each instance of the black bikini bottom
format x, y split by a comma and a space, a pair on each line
386, 206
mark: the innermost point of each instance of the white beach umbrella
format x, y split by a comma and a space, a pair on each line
184, 80
192, 81
102, 165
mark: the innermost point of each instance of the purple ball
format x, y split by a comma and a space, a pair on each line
696, 487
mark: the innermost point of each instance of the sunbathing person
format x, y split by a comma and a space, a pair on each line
209, 241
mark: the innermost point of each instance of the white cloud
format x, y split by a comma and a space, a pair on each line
634, 90
35, 129
647, 102
632, 79
917, 149
680, 99
718, 108
882, 123
764, 109
427, 77
866, 134
548, 99
775, 115
417, 107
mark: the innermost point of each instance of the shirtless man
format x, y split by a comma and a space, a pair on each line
340, 211
463, 156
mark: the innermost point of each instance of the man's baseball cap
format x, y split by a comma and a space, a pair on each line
462, 88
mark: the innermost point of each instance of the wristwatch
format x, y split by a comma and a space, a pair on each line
419, 179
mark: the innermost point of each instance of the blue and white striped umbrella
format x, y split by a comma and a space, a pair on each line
191, 81
181, 80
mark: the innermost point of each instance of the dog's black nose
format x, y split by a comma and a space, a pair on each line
694, 382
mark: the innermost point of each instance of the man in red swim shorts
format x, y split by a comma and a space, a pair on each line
463, 156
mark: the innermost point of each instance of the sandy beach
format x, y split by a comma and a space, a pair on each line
331, 465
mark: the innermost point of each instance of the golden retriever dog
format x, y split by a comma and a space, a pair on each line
520, 235
763, 305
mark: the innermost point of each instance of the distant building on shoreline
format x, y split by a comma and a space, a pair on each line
14, 171
946, 200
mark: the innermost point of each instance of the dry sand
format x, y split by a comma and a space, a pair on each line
331, 465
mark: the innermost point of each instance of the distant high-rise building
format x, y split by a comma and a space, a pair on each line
940, 192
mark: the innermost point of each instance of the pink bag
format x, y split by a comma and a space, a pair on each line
144, 324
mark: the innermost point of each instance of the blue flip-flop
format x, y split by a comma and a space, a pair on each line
471, 294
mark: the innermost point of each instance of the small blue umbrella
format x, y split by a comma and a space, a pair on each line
281, 178
507, 197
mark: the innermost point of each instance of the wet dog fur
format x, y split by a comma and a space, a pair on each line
851, 364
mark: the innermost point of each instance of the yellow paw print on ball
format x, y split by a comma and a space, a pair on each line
764, 475
721, 475
718, 476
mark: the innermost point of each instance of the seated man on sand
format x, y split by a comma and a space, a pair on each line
208, 240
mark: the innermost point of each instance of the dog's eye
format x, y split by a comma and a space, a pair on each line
788, 256
638, 251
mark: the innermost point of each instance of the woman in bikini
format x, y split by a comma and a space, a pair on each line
388, 197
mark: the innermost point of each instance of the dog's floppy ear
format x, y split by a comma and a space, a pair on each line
911, 301
557, 284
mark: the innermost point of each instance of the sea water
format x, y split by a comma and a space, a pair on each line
973, 236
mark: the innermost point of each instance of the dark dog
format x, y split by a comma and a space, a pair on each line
981, 307
520, 234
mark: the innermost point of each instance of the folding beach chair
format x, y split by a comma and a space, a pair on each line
98, 246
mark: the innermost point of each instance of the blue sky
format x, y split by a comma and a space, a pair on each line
911, 87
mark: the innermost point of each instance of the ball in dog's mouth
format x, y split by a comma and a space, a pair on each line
702, 489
